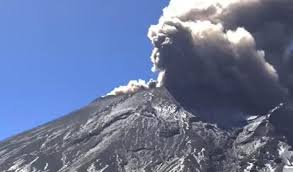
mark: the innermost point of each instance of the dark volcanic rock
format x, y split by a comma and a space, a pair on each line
150, 131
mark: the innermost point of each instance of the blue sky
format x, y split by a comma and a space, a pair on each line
58, 55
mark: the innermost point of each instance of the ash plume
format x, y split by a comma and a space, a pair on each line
227, 52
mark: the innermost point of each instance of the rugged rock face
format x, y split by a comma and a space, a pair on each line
150, 131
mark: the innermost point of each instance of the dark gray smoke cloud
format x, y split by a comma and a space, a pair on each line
226, 51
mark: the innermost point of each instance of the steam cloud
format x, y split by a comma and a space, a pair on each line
132, 87
226, 51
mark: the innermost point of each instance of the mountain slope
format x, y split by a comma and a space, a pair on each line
150, 131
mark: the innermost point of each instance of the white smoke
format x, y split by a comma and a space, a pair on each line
132, 87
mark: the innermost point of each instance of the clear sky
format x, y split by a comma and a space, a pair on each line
58, 55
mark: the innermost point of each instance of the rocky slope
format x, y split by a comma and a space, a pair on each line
150, 131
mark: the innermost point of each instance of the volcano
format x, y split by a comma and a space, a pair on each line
150, 131
222, 101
